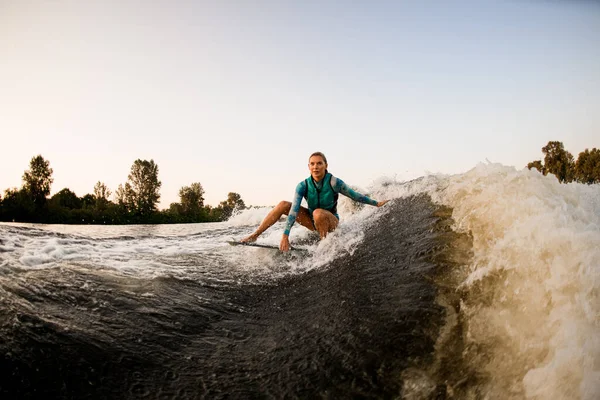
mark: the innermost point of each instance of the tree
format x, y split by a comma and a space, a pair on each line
141, 192
67, 199
124, 196
144, 187
234, 202
175, 209
38, 179
192, 199
214, 213
587, 166
17, 205
88, 201
558, 161
101, 194
537, 164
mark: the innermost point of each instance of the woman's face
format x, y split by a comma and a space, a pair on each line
317, 167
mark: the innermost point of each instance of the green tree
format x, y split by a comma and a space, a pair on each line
143, 192
101, 194
587, 166
233, 203
558, 161
192, 199
67, 199
37, 180
537, 164
88, 201
214, 213
176, 209
17, 205
125, 197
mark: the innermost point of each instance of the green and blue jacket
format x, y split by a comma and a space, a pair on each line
322, 194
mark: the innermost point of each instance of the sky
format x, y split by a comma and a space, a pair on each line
237, 94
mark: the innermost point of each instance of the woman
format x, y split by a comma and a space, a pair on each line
321, 193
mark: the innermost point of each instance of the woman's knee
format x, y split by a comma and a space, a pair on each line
284, 206
319, 214
322, 216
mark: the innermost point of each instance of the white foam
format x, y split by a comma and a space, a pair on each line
251, 216
536, 246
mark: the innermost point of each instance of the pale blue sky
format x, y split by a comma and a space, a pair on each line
236, 94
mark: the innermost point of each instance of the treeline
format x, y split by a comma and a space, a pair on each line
135, 202
561, 163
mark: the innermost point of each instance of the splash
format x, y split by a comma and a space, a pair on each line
522, 310
530, 306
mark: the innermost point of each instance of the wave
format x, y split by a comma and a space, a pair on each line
477, 285
529, 307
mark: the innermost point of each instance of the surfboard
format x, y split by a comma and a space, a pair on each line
264, 246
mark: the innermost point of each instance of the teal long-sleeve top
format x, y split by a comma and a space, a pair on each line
338, 185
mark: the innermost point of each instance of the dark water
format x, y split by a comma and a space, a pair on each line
364, 326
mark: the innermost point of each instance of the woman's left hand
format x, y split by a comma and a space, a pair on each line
380, 203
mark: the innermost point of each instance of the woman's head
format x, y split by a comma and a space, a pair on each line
318, 154
317, 165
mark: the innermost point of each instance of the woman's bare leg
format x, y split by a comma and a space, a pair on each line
325, 222
283, 208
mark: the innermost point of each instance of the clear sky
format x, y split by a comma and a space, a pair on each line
236, 94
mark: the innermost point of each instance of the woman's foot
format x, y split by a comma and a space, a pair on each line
250, 239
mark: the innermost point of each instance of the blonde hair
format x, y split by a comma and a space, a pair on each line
318, 153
